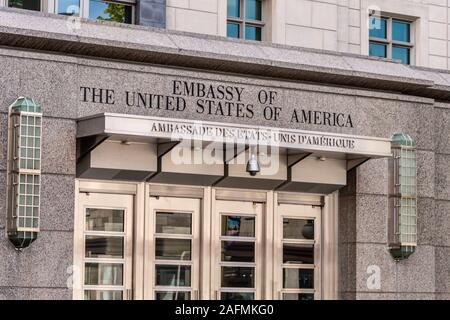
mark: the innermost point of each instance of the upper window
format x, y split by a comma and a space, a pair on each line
244, 19
390, 38
25, 4
110, 11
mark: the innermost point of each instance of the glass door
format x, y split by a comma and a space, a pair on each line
107, 246
172, 245
237, 230
297, 252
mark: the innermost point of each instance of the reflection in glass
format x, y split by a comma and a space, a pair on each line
103, 295
173, 223
401, 31
253, 9
109, 11
298, 229
238, 277
238, 226
172, 275
298, 253
377, 50
103, 274
105, 220
34, 5
401, 53
237, 296
378, 28
238, 251
172, 295
104, 247
233, 30
173, 249
69, 7
252, 33
298, 278
298, 296
233, 8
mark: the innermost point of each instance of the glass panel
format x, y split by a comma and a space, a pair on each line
104, 220
25, 4
298, 296
298, 229
103, 274
69, 7
298, 278
104, 247
253, 9
103, 295
233, 30
401, 53
378, 28
238, 277
110, 11
237, 296
238, 251
172, 295
233, 8
173, 249
298, 253
173, 223
252, 33
170, 275
377, 50
401, 31
238, 226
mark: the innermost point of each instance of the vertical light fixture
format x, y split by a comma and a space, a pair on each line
24, 171
403, 197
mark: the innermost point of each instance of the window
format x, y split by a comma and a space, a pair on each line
245, 19
97, 9
390, 38
25, 4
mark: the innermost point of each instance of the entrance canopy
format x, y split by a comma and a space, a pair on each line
130, 147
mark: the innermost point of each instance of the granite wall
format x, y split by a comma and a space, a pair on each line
54, 81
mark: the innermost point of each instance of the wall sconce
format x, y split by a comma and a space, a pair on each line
402, 221
24, 171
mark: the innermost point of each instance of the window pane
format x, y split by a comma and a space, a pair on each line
252, 33
378, 27
173, 249
298, 278
104, 220
233, 8
298, 229
110, 11
233, 30
401, 31
238, 251
238, 277
237, 296
173, 223
69, 7
298, 296
103, 295
238, 226
25, 4
298, 253
377, 50
402, 54
104, 247
172, 295
253, 9
106, 274
170, 275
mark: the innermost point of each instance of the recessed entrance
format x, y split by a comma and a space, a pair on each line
162, 242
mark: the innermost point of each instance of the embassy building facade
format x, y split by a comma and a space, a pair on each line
224, 149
